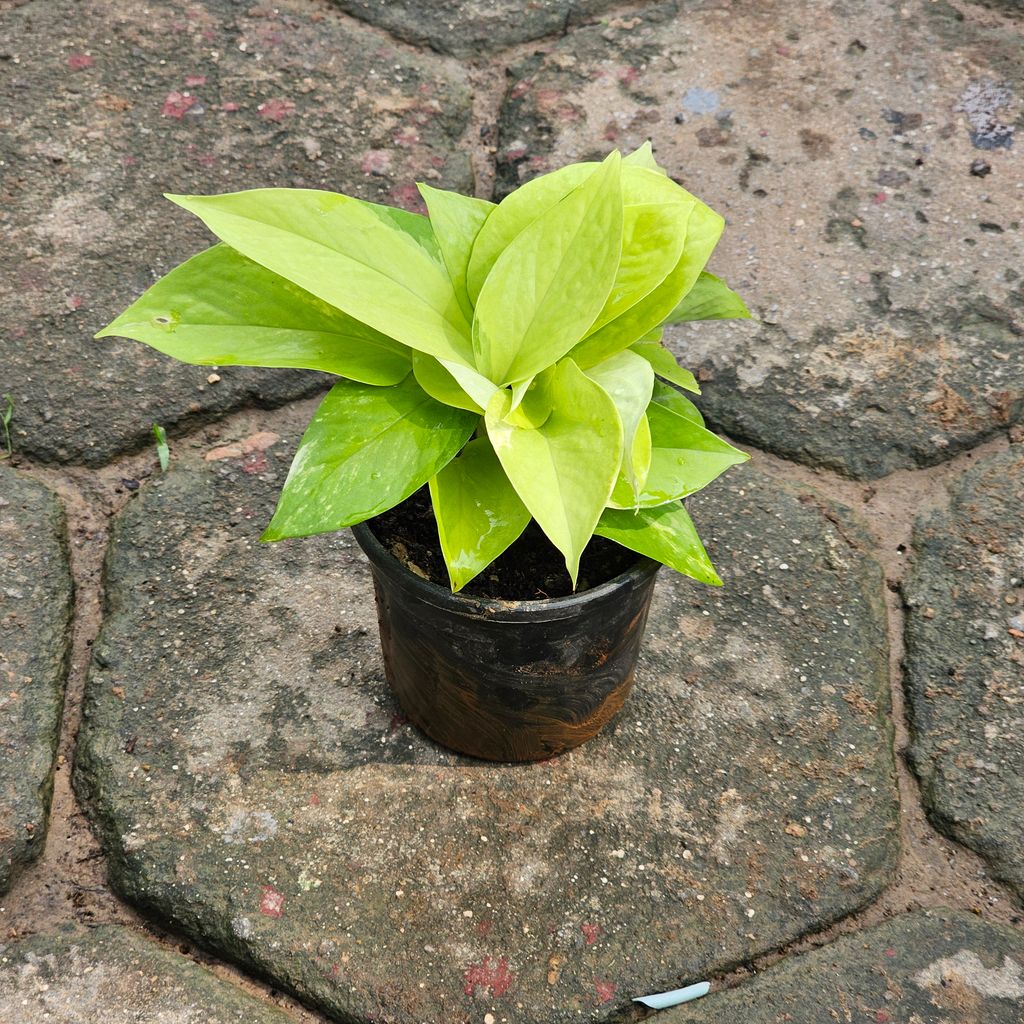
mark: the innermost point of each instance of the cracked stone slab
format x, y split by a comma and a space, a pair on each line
867, 160
473, 28
100, 116
937, 966
35, 614
111, 975
965, 663
257, 787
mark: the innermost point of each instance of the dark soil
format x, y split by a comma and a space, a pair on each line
531, 569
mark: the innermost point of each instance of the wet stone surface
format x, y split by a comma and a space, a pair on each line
866, 160
109, 975
965, 663
256, 786
938, 966
35, 612
100, 115
473, 28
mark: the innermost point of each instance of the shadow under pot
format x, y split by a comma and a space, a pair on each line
508, 680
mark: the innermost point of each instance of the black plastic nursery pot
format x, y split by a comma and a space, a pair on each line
508, 680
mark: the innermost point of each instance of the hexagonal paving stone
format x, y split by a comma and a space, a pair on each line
108, 975
939, 966
100, 115
965, 663
256, 785
473, 28
35, 615
862, 157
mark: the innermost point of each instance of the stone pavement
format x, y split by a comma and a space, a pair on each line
256, 785
933, 966
250, 781
110, 975
965, 663
35, 615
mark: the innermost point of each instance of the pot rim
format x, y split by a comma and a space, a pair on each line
544, 609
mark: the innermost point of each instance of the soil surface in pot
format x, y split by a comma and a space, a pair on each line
531, 569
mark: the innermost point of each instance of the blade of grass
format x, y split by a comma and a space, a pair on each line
162, 451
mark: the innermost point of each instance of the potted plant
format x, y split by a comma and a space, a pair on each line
504, 398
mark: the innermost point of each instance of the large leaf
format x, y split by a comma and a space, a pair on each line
656, 212
703, 230
456, 221
365, 450
628, 380
710, 298
643, 156
652, 242
221, 309
564, 469
685, 455
666, 534
432, 376
516, 212
671, 401
349, 254
415, 225
547, 287
665, 365
477, 509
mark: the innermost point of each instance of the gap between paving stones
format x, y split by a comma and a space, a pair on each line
68, 882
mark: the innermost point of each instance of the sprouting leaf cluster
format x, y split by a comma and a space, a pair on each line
507, 355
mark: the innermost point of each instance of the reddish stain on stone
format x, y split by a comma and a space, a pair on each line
406, 139
255, 463
191, 80
515, 154
397, 721
882, 1017
229, 107
485, 975
74, 301
878, 198
890, 952
275, 110
80, 61
590, 932
177, 104
627, 76
549, 99
314, 800
605, 991
271, 902
520, 89
483, 928
375, 161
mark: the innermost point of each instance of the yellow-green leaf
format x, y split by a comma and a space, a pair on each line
365, 450
666, 534
563, 470
456, 220
349, 255
477, 510
547, 287
221, 309
710, 298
